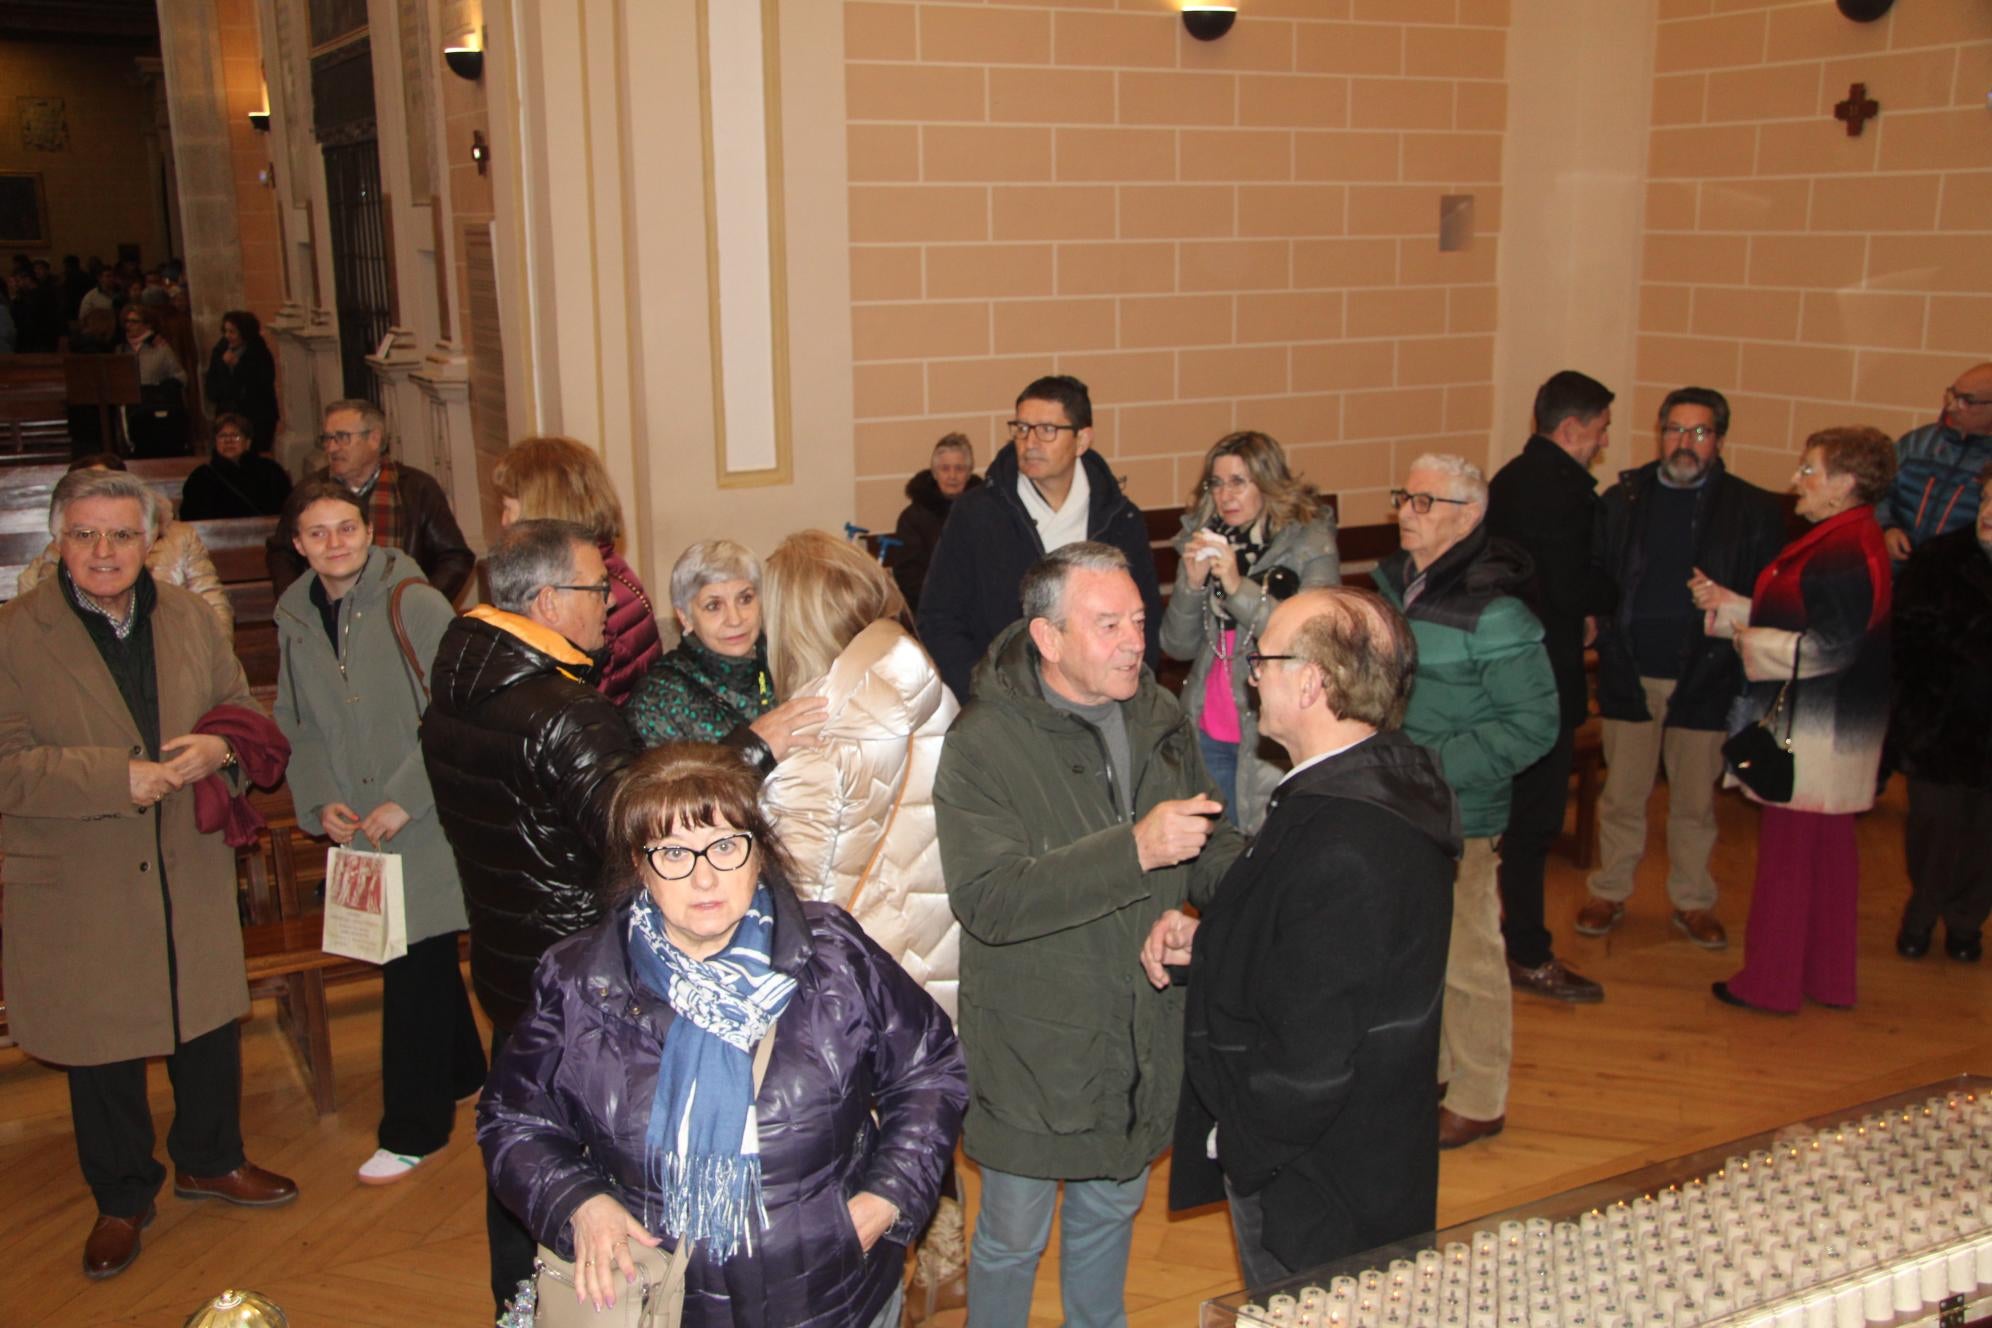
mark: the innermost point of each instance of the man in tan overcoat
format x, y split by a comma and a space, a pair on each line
122, 939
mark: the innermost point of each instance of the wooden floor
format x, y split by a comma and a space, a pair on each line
1658, 1069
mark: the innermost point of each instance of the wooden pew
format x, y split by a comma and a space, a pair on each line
34, 409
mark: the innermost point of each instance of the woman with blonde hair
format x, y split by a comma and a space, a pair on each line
857, 810
565, 480
1253, 534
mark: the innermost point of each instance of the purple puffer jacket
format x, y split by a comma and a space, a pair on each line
580, 1071
631, 631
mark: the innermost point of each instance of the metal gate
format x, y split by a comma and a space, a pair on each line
361, 279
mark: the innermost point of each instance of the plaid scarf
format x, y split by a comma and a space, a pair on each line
384, 507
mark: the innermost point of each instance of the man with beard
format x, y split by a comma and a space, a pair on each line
1664, 687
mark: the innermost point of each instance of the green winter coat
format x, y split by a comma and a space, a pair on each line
1485, 699
1074, 1062
353, 721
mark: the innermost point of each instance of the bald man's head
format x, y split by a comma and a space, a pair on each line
1362, 646
1968, 401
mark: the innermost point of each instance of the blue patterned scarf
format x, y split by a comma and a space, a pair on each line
702, 1150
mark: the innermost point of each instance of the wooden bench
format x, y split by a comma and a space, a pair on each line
34, 409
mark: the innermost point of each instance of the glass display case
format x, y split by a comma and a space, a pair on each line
1881, 1214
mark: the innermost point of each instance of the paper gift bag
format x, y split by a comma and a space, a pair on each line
365, 915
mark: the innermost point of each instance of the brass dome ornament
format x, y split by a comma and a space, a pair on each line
238, 1309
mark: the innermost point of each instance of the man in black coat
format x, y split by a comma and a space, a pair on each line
1044, 491
1315, 976
522, 754
1546, 500
1664, 686
1942, 732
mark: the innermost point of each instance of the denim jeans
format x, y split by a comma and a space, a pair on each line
1011, 1228
1221, 760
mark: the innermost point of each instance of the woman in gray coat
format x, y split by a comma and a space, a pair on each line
1253, 534
350, 700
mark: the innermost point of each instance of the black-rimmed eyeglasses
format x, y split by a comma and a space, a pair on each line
1255, 661
601, 588
1421, 503
1046, 432
674, 862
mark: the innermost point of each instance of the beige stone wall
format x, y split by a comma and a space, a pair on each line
1234, 235
1816, 279
103, 189
249, 151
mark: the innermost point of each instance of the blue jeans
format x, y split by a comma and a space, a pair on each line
1011, 1228
1221, 760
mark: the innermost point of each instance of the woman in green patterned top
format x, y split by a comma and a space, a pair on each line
714, 686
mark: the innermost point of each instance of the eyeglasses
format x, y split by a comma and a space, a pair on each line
1965, 399
1022, 429
1255, 661
83, 537
674, 862
599, 588
1695, 432
1421, 503
344, 438
1236, 484
1808, 470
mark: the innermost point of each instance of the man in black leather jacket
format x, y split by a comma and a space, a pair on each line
522, 753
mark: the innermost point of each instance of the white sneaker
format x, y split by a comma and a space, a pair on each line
385, 1168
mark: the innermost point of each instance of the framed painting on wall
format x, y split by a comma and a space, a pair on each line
23, 210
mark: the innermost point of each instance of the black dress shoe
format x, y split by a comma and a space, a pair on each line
1722, 993
1964, 949
1913, 944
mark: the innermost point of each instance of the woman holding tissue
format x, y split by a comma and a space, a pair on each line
358, 634
1813, 635
1253, 534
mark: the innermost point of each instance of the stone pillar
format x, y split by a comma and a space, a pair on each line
407, 420
308, 355
444, 384
203, 164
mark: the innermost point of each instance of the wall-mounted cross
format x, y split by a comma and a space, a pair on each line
1857, 109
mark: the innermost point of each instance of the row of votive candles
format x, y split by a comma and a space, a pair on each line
1838, 1228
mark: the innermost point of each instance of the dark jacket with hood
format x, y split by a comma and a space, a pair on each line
1074, 1060
919, 531
580, 1073
1321, 1089
1547, 502
522, 752
991, 541
1738, 529
1943, 655
1485, 701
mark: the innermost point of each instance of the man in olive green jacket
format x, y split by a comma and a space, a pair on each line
1073, 810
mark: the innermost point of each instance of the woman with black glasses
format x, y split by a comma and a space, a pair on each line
1253, 534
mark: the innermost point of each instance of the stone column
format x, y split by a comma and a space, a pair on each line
407, 421
444, 384
308, 351
197, 96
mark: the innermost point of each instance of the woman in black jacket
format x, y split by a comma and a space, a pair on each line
242, 377
234, 482
623, 1111
931, 495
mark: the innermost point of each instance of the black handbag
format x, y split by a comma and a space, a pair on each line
1757, 756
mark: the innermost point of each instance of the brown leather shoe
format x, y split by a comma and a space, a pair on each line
1599, 916
113, 1243
1456, 1131
1702, 927
248, 1185
1557, 981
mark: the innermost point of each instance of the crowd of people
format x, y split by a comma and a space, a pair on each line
729, 902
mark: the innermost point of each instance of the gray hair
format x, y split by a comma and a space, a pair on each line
1043, 588
531, 555
372, 418
956, 442
1472, 480
709, 561
79, 485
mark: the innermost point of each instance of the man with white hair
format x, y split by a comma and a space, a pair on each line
122, 938
1485, 702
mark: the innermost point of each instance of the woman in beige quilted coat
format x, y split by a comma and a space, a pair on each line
857, 810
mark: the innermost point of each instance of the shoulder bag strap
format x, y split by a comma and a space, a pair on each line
415, 670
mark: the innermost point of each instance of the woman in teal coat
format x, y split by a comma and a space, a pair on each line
350, 699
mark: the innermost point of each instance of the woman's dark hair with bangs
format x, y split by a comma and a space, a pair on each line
684, 784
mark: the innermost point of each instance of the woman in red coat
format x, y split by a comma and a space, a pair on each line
560, 478
1819, 615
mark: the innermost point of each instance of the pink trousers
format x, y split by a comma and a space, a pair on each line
1800, 942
